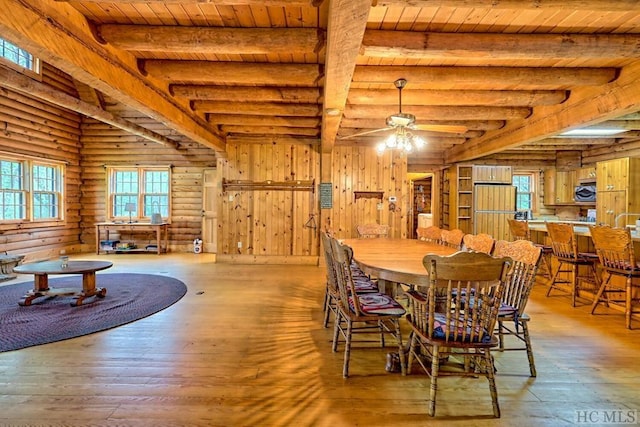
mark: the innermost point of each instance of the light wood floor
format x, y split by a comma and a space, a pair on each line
245, 347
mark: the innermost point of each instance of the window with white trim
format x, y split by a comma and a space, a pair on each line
525, 193
18, 58
137, 193
30, 190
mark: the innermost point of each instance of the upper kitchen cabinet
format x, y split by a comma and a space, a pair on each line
617, 184
492, 174
586, 175
559, 187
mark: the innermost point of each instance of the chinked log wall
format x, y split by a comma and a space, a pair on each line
41, 130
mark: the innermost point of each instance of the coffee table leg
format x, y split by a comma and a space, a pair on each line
88, 289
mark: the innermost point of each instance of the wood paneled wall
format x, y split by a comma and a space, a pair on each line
37, 129
362, 169
105, 145
263, 224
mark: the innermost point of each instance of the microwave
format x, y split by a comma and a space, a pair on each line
585, 193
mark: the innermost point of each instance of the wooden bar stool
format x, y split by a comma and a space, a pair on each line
565, 250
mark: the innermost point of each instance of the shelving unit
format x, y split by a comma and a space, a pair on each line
464, 204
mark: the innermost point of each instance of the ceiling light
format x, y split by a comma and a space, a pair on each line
593, 132
402, 140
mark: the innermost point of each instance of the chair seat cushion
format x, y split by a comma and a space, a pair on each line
457, 325
506, 310
378, 303
365, 285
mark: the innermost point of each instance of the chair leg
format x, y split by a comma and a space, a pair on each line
347, 350
435, 367
403, 364
336, 331
575, 291
492, 383
327, 309
527, 341
553, 278
628, 302
600, 294
500, 335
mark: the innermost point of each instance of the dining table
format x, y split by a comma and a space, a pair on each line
395, 260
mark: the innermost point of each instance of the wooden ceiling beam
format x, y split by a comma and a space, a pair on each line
272, 139
586, 106
595, 5
346, 24
252, 120
412, 44
499, 98
380, 122
249, 73
270, 130
257, 108
487, 78
245, 93
58, 34
440, 112
212, 40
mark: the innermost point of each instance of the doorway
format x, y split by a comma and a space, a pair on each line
421, 201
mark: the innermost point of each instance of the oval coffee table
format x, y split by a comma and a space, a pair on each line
42, 270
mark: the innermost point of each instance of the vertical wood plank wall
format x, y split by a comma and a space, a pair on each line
270, 223
363, 169
34, 128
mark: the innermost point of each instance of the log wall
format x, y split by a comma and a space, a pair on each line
34, 128
104, 145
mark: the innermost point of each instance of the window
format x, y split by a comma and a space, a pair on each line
30, 190
525, 194
18, 58
138, 193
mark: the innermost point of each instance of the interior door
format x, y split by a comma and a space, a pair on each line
210, 186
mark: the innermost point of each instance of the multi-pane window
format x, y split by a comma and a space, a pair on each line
525, 191
17, 56
46, 191
30, 191
138, 193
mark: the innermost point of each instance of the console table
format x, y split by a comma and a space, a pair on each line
161, 231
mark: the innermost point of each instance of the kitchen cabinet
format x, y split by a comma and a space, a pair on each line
492, 174
617, 185
586, 175
559, 187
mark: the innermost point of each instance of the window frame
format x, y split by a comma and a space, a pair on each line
142, 211
532, 190
35, 71
29, 192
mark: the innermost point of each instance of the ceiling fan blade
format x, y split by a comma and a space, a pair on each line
441, 128
366, 132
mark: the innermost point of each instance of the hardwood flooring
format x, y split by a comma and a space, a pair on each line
245, 347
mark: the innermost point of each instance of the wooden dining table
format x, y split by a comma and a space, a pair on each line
395, 260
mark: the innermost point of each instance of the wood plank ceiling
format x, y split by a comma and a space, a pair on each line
512, 73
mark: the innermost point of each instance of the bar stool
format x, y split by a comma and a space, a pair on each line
520, 231
565, 250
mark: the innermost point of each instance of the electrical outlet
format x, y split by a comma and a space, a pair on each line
379, 206
231, 197
239, 245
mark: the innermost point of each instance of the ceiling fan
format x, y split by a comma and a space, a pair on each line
405, 121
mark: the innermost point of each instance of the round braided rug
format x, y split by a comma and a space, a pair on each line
129, 297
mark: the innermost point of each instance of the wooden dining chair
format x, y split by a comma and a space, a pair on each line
525, 258
614, 247
363, 283
362, 313
481, 242
368, 231
520, 231
429, 234
565, 251
453, 238
444, 323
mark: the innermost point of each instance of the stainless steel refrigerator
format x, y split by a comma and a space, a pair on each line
492, 205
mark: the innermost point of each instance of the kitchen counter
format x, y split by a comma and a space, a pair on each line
581, 228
